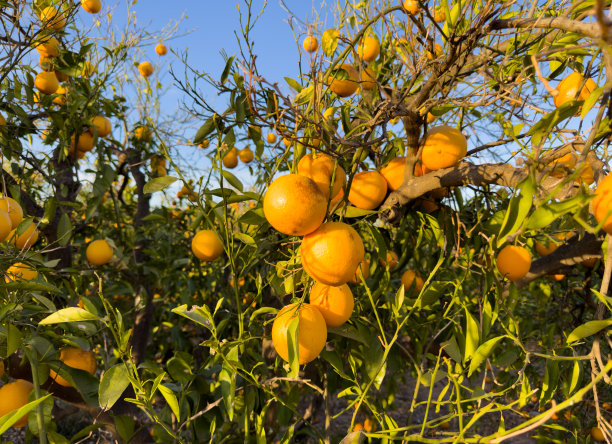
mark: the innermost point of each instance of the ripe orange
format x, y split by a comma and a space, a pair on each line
344, 83
230, 160
393, 172
544, 249
335, 303
61, 95
53, 18
49, 48
204, 144
597, 434
20, 272
567, 89
368, 49
437, 52
143, 133
206, 245
368, 190
91, 6
410, 278
294, 205
312, 331
287, 142
411, 6
444, 146
14, 395
357, 427
6, 225
331, 254
99, 252
320, 168
602, 204
513, 262
362, 272
85, 142
76, 358
368, 79
145, 69
439, 14
271, 138
369, 425
246, 154
12, 207
46, 82
75, 154
102, 125
311, 44
391, 261
563, 165
161, 49
27, 238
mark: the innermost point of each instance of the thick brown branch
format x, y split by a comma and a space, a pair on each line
592, 30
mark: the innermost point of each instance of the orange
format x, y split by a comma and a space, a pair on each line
368, 49
271, 138
75, 154
12, 207
344, 83
513, 262
311, 44
20, 272
145, 69
357, 427
52, 18
335, 303
437, 52
85, 142
88, 69
102, 125
206, 245
444, 146
246, 154
76, 358
410, 278
320, 168
204, 144
362, 272
91, 6
331, 253
439, 15
46, 82
230, 160
61, 97
597, 434
567, 89
369, 426
158, 165
545, 250
393, 172
287, 142
392, 261
368, 79
6, 225
161, 49
143, 133
49, 48
99, 252
602, 204
294, 205
61, 77
312, 331
563, 165
27, 238
14, 395
368, 190
412, 6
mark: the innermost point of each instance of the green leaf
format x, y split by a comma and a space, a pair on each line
232, 180
352, 211
253, 217
9, 419
472, 337
200, 315
158, 184
14, 339
329, 41
205, 130
304, 95
334, 359
170, 398
227, 378
543, 127
452, 349
293, 346
226, 70
591, 101
575, 379
482, 353
587, 329
245, 238
70, 314
551, 380
31, 286
114, 382
64, 230
293, 84
517, 210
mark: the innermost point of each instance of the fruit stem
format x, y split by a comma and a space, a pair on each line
40, 415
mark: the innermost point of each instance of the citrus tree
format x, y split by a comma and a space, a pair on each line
413, 249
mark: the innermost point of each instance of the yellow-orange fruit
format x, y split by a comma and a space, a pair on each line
102, 125
335, 303
26, 239
310, 44
20, 272
597, 434
411, 6
6, 225
46, 82
331, 254
146, 69
53, 18
602, 204
320, 168
513, 262
342, 84
368, 190
368, 79
230, 160
439, 14
393, 172
410, 278
312, 331
143, 133
362, 272
567, 89
14, 395
161, 49
85, 142
99, 252
246, 155
294, 205
75, 358
91, 6
368, 49
48, 48
444, 147
206, 245
391, 261
12, 207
